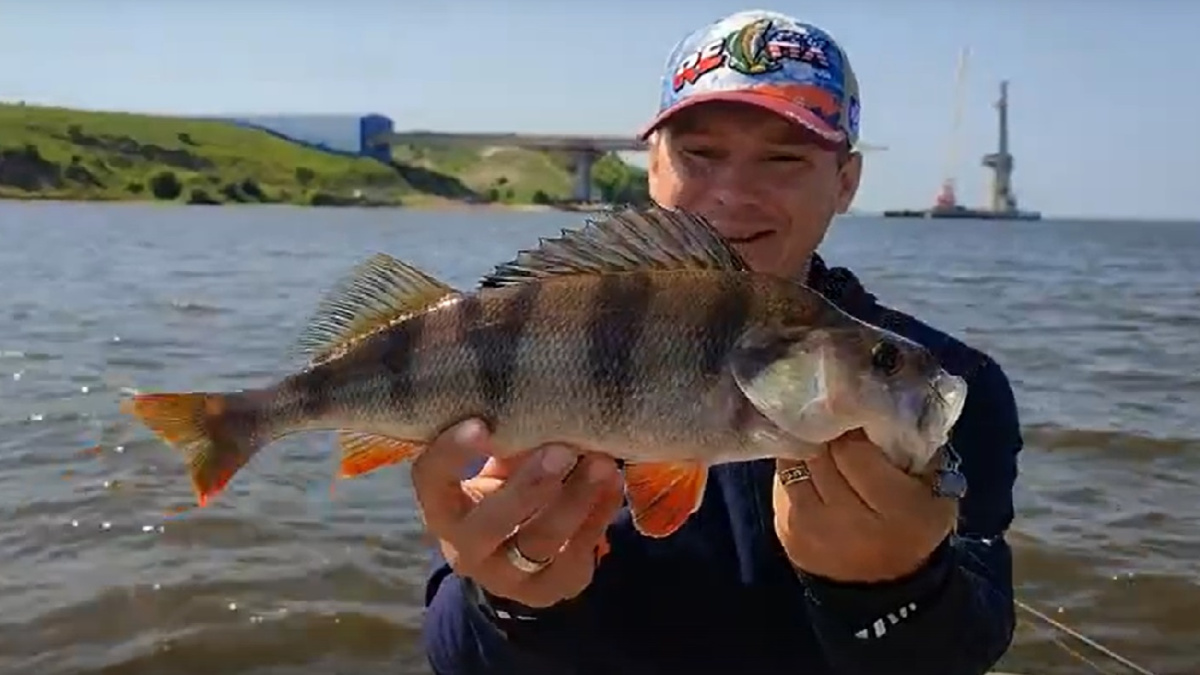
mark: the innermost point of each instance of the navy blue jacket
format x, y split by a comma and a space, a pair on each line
720, 596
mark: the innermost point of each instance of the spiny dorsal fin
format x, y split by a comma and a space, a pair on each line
624, 240
376, 294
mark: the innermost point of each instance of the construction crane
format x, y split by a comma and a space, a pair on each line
948, 197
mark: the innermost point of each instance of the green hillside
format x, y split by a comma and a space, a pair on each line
57, 153
513, 175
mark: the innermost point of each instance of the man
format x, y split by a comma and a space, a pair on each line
842, 564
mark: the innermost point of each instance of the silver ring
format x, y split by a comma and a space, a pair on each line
795, 474
523, 562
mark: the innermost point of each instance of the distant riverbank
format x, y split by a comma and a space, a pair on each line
75, 155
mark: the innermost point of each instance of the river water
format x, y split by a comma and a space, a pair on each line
1096, 323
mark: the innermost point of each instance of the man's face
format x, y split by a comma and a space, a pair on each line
764, 182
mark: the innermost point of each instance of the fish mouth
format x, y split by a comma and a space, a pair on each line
943, 406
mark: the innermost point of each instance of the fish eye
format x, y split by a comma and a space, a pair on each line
886, 358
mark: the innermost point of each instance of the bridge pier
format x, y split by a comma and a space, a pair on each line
583, 161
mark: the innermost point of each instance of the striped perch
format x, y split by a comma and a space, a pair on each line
642, 335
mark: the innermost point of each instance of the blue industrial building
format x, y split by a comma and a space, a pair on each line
348, 135
375, 126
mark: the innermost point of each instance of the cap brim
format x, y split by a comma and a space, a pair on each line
793, 112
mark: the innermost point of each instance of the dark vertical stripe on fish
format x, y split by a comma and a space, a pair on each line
615, 324
313, 391
496, 343
399, 360
726, 319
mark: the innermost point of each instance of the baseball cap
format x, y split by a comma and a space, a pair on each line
766, 59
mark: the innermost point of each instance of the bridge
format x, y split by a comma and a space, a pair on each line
584, 149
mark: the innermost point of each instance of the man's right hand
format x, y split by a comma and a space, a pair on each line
562, 509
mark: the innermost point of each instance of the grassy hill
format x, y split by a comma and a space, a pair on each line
57, 153
513, 175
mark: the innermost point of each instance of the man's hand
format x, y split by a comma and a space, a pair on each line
859, 518
561, 500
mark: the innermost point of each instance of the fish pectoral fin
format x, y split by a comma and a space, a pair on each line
363, 453
377, 293
663, 495
624, 240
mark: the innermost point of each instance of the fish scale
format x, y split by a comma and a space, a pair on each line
642, 335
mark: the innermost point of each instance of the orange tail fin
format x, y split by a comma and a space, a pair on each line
216, 433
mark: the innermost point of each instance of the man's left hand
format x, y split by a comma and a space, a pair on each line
859, 518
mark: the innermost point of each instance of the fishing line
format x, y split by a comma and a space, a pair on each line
1067, 648
1084, 639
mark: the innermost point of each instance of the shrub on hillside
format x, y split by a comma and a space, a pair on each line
165, 185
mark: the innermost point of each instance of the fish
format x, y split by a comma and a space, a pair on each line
641, 334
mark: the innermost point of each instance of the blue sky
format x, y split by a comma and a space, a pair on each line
1086, 142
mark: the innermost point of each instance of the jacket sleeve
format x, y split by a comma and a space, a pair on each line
954, 616
461, 639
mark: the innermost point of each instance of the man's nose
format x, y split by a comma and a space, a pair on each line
731, 186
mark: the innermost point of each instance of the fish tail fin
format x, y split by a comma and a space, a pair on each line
217, 433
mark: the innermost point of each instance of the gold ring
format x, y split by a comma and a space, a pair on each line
523, 562
795, 474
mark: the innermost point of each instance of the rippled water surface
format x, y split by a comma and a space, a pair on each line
1098, 325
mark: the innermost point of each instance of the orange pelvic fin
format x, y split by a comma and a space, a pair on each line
663, 495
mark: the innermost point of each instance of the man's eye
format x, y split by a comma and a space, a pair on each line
702, 153
787, 158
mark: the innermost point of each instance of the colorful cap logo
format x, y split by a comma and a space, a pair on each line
770, 60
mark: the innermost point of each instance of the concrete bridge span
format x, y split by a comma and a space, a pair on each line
584, 150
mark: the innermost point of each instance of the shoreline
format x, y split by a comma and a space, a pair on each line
423, 203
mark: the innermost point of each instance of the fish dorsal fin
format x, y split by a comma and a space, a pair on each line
377, 293
624, 240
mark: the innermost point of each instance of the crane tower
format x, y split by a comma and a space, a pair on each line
1001, 161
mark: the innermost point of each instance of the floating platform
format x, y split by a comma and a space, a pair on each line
963, 213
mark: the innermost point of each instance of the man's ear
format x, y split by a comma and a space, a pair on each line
849, 177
